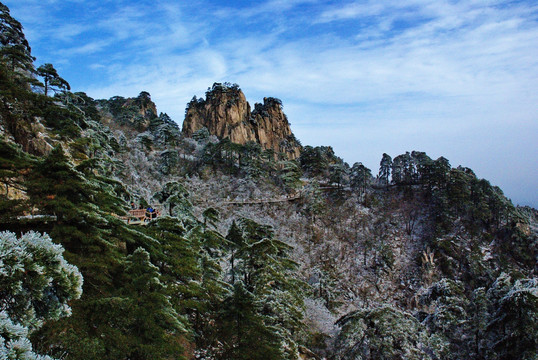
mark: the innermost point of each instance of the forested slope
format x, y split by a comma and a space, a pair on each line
421, 260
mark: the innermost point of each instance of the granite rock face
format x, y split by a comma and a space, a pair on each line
226, 113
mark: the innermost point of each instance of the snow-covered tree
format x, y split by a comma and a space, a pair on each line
35, 279
168, 161
290, 174
165, 131
211, 217
338, 173
201, 135
36, 285
14, 343
384, 333
448, 317
262, 264
175, 197
512, 330
244, 334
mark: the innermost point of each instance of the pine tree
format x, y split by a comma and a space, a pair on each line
151, 326
360, 177
261, 263
188, 255
14, 48
94, 241
210, 246
422, 165
512, 330
440, 173
290, 174
338, 173
14, 163
449, 317
211, 217
175, 196
315, 161
384, 168
51, 79
236, 242
36, 285
14, 343
189, 271
385, 332
165, 130
244, 334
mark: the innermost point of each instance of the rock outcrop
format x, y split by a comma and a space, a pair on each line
135, 113
226, 113
27, 131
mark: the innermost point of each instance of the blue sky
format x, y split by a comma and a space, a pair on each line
453, 78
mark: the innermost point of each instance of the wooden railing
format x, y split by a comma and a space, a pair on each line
138, 213
140, 216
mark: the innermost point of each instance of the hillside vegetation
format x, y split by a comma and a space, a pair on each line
255, 254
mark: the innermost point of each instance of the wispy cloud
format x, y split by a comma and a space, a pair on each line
352, 11
88, 48
67, 32
269, 8
454, 78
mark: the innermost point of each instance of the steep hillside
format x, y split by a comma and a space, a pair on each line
360, 242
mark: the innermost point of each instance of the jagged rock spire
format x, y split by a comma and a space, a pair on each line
226, 113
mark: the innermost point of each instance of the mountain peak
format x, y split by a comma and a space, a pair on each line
226, 113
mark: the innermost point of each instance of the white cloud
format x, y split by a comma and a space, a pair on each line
88, 48
67, 32
452, 78
97, 66
351, 11
262, 8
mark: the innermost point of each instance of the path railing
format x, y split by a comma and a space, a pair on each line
262, 201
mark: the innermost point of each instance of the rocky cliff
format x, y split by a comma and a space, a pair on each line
226, 113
